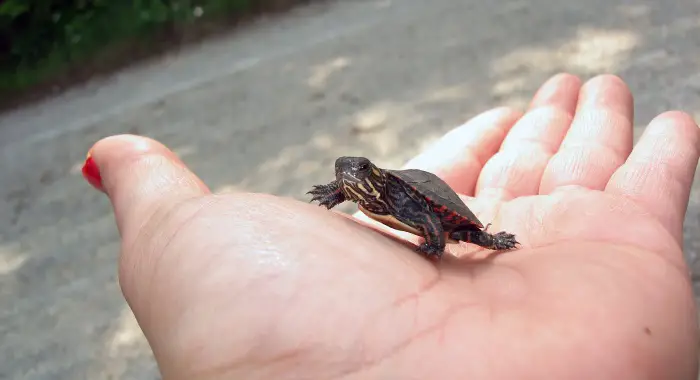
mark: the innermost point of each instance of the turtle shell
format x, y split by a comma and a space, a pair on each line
436, 191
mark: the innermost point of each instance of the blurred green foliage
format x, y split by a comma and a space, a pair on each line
39, 38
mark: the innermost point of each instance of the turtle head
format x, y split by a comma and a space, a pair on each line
359, 179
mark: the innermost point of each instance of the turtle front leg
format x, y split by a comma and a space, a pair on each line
433, 234
413, 214
329, 195
498, 241
413, 210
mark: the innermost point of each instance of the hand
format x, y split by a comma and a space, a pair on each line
253, 286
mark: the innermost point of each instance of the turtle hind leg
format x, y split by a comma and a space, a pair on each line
499, 241
412, 210
329, 195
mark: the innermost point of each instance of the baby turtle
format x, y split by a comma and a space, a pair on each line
409, 200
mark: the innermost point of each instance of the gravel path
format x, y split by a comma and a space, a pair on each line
379, 78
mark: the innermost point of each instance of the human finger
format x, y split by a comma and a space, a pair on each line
140, 176
599, 139
517, 168
659, 172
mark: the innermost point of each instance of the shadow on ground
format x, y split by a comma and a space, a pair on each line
385, 92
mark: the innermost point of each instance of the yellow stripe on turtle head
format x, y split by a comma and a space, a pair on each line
374, 192
351, 191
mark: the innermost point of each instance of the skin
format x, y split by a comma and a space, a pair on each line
392, 201
253, 286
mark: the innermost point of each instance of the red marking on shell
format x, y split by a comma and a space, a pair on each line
457, 218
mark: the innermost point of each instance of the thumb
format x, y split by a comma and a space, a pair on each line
141, 177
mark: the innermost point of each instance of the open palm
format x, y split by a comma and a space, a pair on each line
251, 286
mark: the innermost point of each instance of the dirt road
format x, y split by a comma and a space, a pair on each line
288, 96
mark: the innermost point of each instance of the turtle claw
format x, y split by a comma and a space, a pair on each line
318, 194
327, 203
501, 240
328, 196
504, 240
430, 251
318, 191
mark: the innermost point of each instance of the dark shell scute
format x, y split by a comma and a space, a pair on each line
435, 189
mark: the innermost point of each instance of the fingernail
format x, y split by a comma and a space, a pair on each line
91, 173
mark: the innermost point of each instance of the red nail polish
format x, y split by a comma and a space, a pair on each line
91, 173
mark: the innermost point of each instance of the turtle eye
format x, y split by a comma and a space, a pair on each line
364, 166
